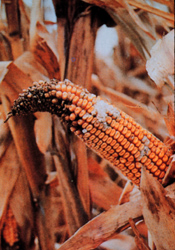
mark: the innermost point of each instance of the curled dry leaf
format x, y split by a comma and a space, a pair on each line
122, 242
161, 63
141, 244
158, 212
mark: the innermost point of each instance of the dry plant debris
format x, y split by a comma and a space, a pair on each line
54, 192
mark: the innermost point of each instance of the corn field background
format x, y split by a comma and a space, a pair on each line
55, 193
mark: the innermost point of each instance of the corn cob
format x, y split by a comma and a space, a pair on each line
10, 229
104, 128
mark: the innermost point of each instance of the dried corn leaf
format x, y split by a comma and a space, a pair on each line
136, 18
22, 207
139, 39
158, 212
9, 174
104, 191
82, 174
75, 213
103, 226
31, 67
161, 63
141, 244
14, 81
5, 136
151, 9
45, 52
170, 119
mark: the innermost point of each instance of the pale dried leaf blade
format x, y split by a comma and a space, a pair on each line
130, 30
103, 226
161, 63
137, 20
157, 211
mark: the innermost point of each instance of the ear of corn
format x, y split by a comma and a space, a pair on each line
107, 130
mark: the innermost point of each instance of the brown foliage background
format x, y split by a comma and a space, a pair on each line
51, 185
